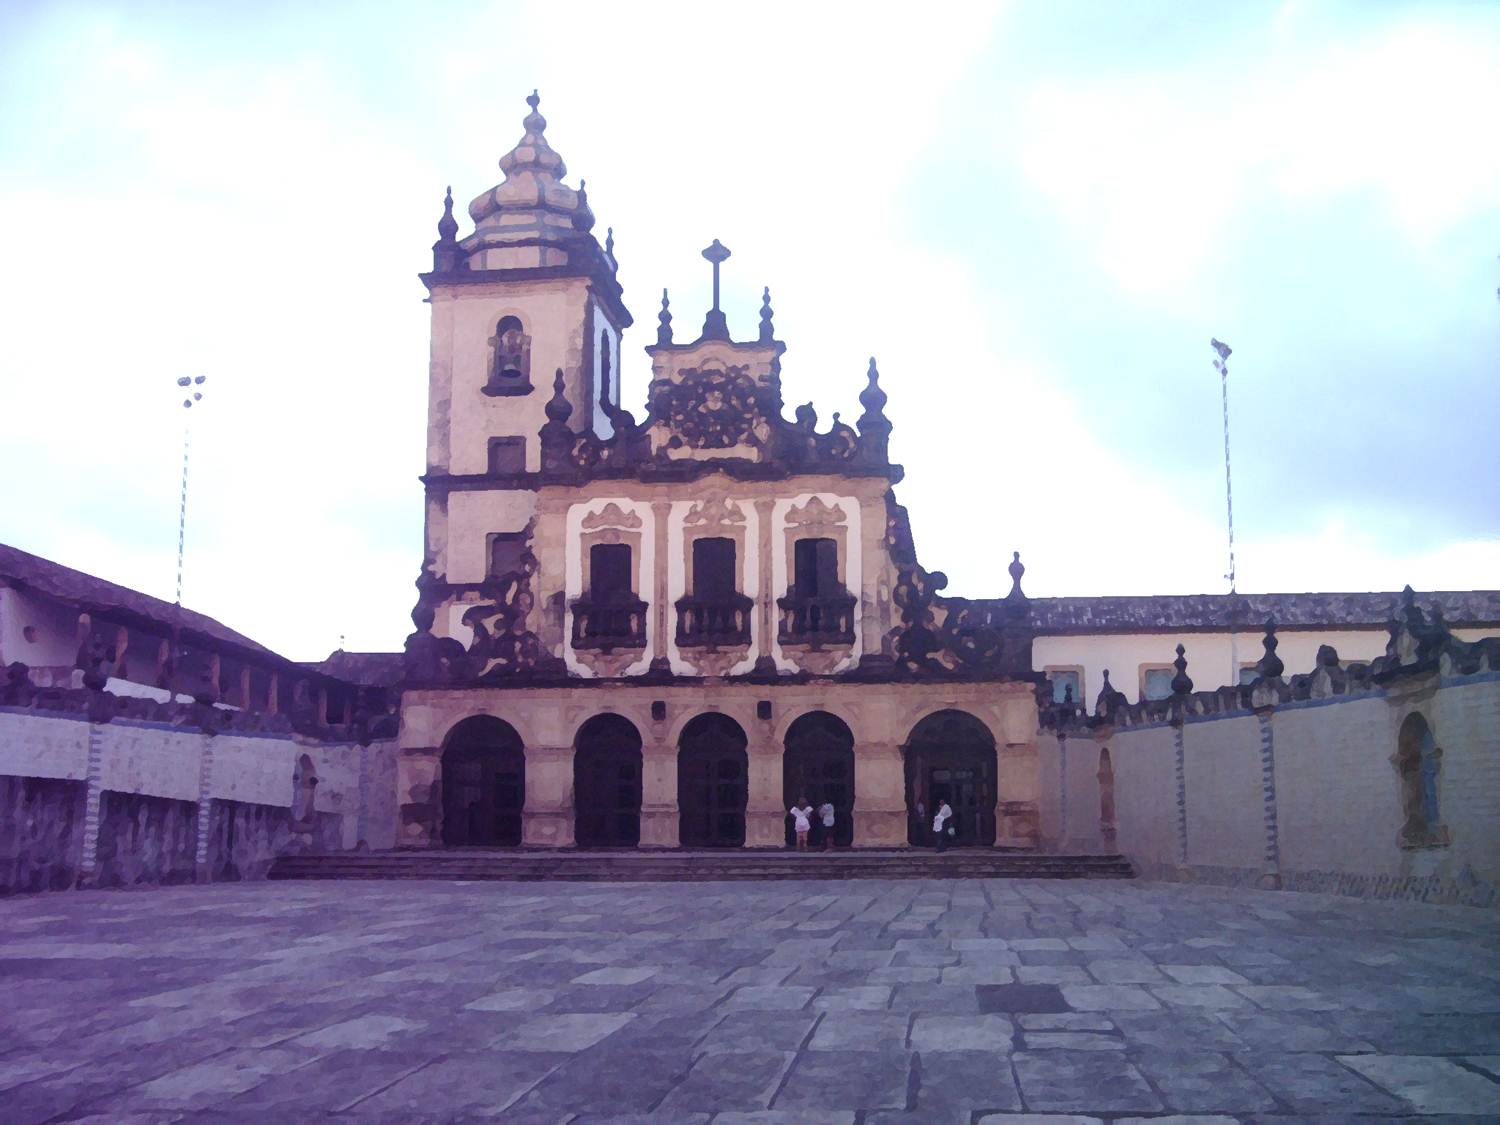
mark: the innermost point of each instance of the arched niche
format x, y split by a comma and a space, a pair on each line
607, 783
951, 755
818, 763
483, 784
713, 769
1418, 766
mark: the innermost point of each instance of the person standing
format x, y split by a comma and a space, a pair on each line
940, 825
801, 822
828, 816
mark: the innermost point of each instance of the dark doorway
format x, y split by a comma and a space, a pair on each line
951, 756
714, 577
607, 783
712, 783
483, 783
819, 765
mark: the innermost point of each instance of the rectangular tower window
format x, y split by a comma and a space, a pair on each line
507, 455
713, 569
610, 572
506, 549
816, 568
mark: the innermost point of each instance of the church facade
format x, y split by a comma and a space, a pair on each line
661, 632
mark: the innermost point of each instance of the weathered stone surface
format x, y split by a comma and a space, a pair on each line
556, 1002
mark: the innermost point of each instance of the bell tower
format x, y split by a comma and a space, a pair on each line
528, 295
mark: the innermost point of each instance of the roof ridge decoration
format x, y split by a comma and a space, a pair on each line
1420, 646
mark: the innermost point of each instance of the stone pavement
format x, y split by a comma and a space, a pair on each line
920, 1001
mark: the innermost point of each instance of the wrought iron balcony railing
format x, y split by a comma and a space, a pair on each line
816, 621
608, 625
713, 622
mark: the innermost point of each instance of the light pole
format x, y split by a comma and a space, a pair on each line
1222, 366
187, 383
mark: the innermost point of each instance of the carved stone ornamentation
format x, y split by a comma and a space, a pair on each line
718, 512
711, 410
611, 516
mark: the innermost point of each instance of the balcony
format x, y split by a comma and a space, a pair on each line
816, 621
713, 622
618, 623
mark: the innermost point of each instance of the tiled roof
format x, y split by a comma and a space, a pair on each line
96, 596
1173, 612
374, 669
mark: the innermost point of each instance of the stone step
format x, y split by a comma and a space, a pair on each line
655, 866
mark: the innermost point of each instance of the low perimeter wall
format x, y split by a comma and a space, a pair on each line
1309, 794
94, 799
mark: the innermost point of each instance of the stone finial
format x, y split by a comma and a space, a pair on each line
1017, 568
873, 398
1181, 683
445, 249
609, 244
558, 408
715, 326
1269, 666
583, 217
874, 426
767, 332
18, 690
664, 321
1109, 701
1328, 657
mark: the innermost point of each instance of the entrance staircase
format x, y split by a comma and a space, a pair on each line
645, 866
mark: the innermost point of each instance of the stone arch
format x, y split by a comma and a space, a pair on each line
1418, 765
741, 716
607, 783
790, 716
483, 783
510, 364
950, 754
818, 763
713, 774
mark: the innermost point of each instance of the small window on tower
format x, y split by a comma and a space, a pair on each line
506, 550
507, 455
609, 570
607, 397
713, 569
510, 369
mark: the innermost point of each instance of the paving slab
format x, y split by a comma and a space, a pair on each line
914, 1001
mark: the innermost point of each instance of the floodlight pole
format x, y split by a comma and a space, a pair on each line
1222, 364
187, 406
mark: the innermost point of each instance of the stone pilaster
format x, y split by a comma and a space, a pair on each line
1179, 774
547, 820
765, 815
205, 808
419, 797
880, 817
1263, 699
660, 817
1018, 816
89, 861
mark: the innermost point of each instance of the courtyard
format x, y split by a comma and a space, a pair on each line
930, 1001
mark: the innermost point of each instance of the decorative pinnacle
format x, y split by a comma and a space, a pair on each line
1017, 568
1270, 665
1181, 684
609, 242
664, 319
872, 398
447, 225
583, 218
715, 327
767, 333
558, 408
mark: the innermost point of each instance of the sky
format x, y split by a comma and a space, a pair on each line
1034, 215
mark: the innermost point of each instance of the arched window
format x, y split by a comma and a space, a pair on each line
1418, 761
510, 367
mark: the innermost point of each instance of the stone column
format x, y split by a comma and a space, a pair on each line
205, 807
1263, 700
88, 861
880, 816
419, 797
547, 820
661, 610
660, 817
765, 814
766, 594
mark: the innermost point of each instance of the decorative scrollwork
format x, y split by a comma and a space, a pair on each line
712, 410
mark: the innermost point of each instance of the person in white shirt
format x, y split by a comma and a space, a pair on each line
940, 824
801, 821
826, 813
